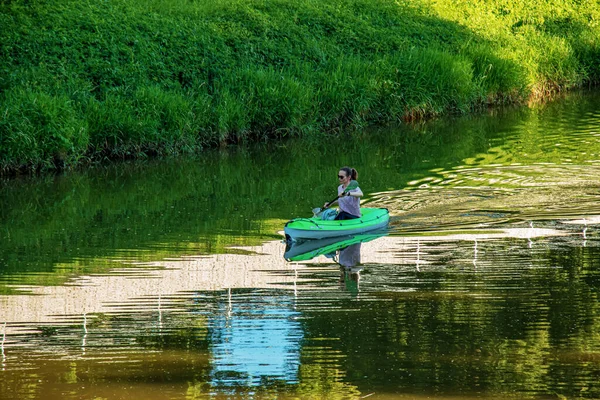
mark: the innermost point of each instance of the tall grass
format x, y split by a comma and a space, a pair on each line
82, 81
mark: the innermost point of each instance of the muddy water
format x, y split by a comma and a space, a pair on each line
170, 279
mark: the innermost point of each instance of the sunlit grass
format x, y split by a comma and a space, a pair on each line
87, 81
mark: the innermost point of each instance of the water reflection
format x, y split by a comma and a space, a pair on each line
350, 268
256, 343
308, 249
345, 251
507, 323
349, 257
2, 346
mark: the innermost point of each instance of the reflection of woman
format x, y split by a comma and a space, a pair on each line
349, 259
350, 256
349, 202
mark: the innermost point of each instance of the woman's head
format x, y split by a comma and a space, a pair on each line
347, 172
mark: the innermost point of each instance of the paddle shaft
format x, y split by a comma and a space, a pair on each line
351, 186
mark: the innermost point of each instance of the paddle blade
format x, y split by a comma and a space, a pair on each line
351, 186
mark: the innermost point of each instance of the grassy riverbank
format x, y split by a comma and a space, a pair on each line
83, 81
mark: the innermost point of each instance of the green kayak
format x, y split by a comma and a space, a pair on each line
316, 228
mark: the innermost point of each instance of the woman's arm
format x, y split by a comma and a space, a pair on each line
355, 193
327, 205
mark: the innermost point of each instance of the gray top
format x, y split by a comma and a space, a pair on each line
350, 204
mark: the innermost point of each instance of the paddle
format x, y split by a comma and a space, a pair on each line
351, 186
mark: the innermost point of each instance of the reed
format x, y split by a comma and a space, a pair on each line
83, 81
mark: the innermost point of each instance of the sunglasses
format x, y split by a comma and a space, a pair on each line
341, 177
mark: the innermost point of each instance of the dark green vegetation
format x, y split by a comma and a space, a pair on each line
83, 81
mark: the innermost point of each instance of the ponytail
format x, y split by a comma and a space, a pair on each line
351, 172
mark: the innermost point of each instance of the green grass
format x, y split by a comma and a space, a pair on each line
83, 81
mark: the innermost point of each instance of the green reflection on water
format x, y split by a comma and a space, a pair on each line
147, 211
505, 328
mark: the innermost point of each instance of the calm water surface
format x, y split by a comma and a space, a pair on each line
170, 279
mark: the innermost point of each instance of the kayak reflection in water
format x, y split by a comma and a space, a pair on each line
348, 200
349, 260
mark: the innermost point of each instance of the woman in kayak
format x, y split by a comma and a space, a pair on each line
349, 202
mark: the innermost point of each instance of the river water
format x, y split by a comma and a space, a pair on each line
170, 279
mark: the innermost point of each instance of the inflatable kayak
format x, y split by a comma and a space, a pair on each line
316, 228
